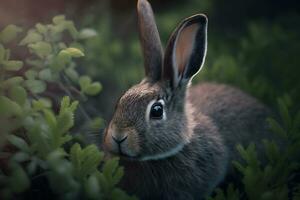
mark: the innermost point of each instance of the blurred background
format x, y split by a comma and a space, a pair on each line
253, 44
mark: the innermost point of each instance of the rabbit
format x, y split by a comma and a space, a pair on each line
176, 141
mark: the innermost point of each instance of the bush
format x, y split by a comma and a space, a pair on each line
39, 155
278, 177
262, 62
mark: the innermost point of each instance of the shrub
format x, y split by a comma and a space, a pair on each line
39, 155
278, 178
262, 61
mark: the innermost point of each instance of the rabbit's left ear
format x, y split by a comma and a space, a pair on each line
150, 41
186, 50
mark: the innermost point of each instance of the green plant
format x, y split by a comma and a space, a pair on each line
38, 154
277, 179
261, 61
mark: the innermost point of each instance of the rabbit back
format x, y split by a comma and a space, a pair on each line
240, 118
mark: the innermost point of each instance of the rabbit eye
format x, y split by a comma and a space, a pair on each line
156, 111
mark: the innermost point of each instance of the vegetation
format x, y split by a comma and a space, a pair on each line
46, 108
41, 157
277, 179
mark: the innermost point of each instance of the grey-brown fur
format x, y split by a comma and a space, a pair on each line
187, 153
240, 117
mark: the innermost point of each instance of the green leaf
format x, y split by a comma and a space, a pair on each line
62, 59
17, 80
41, 104
41, 48
268, 172
96, 123
87, 33
117, 193
41, 28
72, 74
272, 151
85, 160
62, 45
46, 75
72, 29
60, 173
75, 158
93, 88
18, 180
35, 62
284, 113
73, 106
9, 108
77, 46
276, 128
35, 86
73, 52
9, 33
50, 119
32, 166
90, 158
65, 139
55, 157
7, 54
12, 65
21, 157
31, 37
58, 19
65, 121
84, 82
18, 94
64, 104
2, 53
238, 166
31, 74
20, 143
110, 167
118, 175
242, 152
232, 194
92, 187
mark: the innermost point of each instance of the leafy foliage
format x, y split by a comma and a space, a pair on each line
39, 156
277, 179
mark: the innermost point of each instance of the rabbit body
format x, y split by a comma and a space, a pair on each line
240, 118
224, 117
177, 141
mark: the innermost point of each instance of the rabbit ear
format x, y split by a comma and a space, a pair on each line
150, 40
186, 50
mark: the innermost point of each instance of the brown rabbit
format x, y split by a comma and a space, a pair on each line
176, 141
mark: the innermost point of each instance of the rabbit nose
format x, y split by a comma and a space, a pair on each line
120, 139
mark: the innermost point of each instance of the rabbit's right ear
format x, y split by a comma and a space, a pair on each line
186, 50
150, 41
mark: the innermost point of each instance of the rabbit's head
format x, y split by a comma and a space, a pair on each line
151, 120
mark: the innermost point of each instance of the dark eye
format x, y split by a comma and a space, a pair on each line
156, 111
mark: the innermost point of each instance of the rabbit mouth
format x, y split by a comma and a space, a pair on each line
123, 154
128, 157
